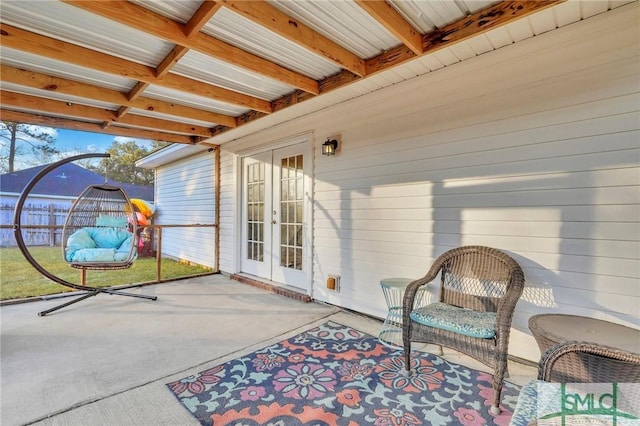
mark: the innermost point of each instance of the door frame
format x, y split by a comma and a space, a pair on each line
307, 141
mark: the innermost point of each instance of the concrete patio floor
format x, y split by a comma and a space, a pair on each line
105, 361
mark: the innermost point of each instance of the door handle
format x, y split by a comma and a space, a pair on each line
273, 222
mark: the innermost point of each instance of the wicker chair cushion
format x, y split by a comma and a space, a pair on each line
459, 320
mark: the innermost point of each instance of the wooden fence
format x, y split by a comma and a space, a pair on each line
49, 215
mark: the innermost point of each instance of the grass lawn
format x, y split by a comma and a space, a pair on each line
19, 279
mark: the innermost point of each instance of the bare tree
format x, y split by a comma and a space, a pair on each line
21, 139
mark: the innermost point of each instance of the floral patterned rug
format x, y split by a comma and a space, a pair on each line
336, 375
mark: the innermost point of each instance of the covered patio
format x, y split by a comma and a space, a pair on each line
506, 124
107, 361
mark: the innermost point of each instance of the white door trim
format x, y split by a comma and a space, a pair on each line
306, 140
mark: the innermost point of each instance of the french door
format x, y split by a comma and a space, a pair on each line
275, 215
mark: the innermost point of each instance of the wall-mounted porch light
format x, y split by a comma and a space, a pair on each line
329, 147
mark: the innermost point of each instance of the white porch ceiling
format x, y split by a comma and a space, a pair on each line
192, 71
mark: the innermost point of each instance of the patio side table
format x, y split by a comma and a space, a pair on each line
550, 329
393, 290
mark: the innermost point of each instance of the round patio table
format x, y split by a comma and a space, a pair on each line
551, 329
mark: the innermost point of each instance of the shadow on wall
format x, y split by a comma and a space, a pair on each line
544, 168
537, 230
392, 215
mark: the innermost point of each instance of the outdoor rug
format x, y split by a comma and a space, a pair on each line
336, 375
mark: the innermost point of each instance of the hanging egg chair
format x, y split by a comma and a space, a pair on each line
100, 231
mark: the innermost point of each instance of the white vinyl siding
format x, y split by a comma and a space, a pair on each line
185, 194
532, 149
228, 212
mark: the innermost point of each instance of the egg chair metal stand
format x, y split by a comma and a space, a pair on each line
97, 202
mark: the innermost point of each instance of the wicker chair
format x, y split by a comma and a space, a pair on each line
585, 362
487, 284
100, 231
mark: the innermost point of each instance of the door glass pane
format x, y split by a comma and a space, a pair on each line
291, 184
292, 213
255, 209
299, 188
299, 170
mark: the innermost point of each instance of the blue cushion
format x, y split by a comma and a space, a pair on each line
122, 254
99, 245
93, 255
108, 237
122, 257
106, 220
459, 320
125, 247
79, 240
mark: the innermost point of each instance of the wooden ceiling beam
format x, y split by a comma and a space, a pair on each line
159, 26
170, 60
487, 19
50, 106
83, 90
330, 83
393, 21
133, 94
122, 111
137, 91
167, 63
27, 41
35, 103
470, 26
184, 84
482, 21
17, 38
161, 70
85, 126
205, 12
280, 23
475, 24
151, 123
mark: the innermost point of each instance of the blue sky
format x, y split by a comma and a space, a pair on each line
68, 142
71, 140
